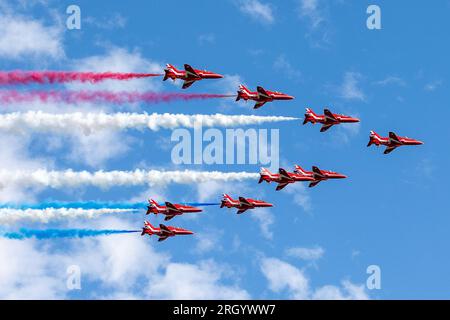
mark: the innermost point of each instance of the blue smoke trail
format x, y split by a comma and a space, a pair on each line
90, 205
60, 233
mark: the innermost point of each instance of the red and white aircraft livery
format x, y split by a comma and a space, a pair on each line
163, 232
189, 74
328, 119
391, 142
243, 204
283, 178
318, 174
170, 210
261, 96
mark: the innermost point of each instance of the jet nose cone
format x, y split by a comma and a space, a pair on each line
217, 76
290, 97
342, 176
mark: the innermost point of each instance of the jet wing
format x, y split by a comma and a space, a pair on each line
259, 104
241, 211
281, 186
162, 238
190, 71
168, 217
314, 183
393, 137
244, 202
284, 174
325, 127
172, 208
262, 93
164, 230
187, 84
316, 172
389, 150
329, 115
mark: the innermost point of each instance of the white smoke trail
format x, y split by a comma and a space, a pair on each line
108, 179
10, 216
92, 122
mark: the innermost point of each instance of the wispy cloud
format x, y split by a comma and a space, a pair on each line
309, 254
284, 277
23, 37
350, 87
432, 86
309, 9
265, 219
257, 10
207, 38
313, 14
283, 65
390, 80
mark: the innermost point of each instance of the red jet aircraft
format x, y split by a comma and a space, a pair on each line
391, 142
163, 232
243, 204
328, 119
189, 75
283, 178
261, 96
170, 210
318, 175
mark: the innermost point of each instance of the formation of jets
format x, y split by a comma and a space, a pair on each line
282, 178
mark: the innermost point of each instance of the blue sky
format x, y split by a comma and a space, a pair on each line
315, 243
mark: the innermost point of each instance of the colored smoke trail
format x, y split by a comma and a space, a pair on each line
94, 122
49, 77
46, 215
85, 96
113, 207
24, 233
109, 179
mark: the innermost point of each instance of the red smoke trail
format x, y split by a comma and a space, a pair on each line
14, 96
44, 77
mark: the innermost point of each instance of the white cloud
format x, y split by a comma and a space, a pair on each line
391, 80
120, 60
265, 219
350, 89
349, 291
284, 277
15, 156
310, 9
432, 86
282, 65
28, 274
208, 240
300, 195
94, 150
188, 281
206, 38
123, 266
257, 10
309, 254
23, 37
